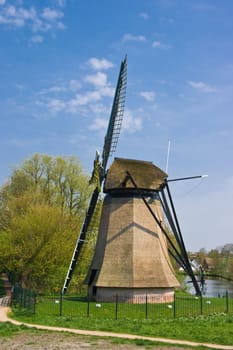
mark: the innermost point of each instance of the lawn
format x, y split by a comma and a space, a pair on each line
211, 329
12, 336
208, 320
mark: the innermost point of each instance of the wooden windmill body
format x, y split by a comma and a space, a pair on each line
131, 257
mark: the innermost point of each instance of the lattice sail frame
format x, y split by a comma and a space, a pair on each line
116, 118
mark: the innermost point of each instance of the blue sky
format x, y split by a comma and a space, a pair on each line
59, 62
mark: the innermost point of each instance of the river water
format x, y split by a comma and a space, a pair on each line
214, 288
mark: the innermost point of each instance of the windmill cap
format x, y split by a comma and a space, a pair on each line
146, 175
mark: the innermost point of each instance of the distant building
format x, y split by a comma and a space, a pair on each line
208, 264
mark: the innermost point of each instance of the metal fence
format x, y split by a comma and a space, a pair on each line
24, 299
182, 306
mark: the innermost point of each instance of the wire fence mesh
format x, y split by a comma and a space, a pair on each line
24, 299
120, 308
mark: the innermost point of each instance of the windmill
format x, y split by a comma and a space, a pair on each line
131, 257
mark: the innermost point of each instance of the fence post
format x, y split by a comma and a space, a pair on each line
34, 303
227, 302
21, 297
116, 306
146, 306
30, 299
201, 304
174, 306
60, 304
88, 305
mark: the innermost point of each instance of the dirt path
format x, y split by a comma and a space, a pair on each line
4, 318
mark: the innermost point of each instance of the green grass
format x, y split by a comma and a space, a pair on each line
212, 329
184, 306
190, 318
9, 330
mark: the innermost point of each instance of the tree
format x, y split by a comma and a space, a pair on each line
201, 255
41, 210
59, 181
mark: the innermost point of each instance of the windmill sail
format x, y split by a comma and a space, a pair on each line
99, 170
116, 117
180, 255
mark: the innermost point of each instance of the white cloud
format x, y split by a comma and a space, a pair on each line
74, 85
98, 79
37, 39
12, 16
86, 96
89, 102
98, 64
131, 123
60, 25
51, 14
61, 3
156, 44
56, 105
16, 22
81, 100
107, 91
56, 89
67, 97
24, 13
99, 124
98, 108
89, 99
144, 15
159, 45
131, 37
20, 86
77, 139
155, 107
18, 16
52, 89
70, 86
40, 26
202, 87
148, 95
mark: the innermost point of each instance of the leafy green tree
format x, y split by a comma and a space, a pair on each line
200, 256
217, 262
59, 181
42, 207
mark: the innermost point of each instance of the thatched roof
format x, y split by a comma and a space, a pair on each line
146, 175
